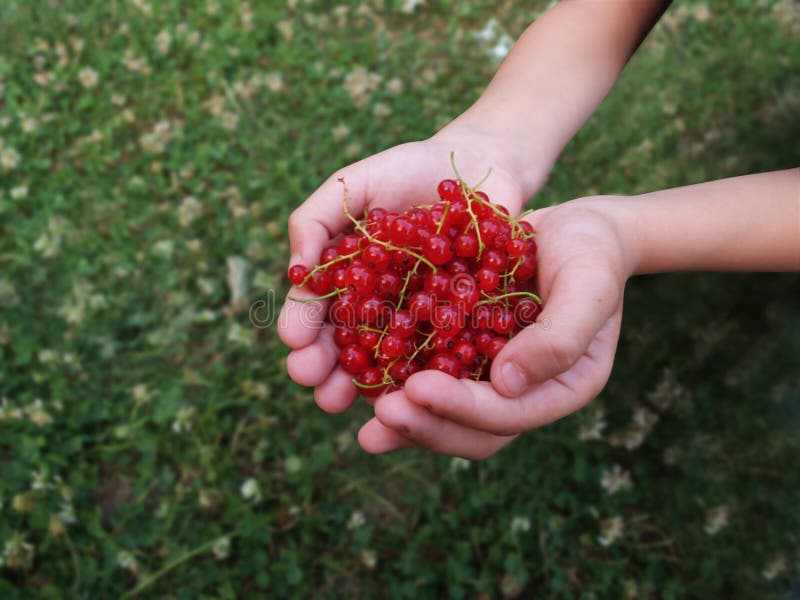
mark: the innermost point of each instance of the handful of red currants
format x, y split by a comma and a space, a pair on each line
441, 286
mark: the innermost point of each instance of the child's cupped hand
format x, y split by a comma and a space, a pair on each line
547, 371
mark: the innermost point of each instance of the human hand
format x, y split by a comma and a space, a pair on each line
400, 177
547, 371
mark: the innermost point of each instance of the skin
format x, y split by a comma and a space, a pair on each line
587, 248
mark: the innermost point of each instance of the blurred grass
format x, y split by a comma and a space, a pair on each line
145, 422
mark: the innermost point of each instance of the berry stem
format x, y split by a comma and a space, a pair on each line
492, 299
335, 292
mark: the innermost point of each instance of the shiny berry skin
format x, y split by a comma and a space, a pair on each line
465, 353
421, 304
482, 341
344, 312
344, 336
449, 189
297, 274
437, 284
516, 247
328, 255
402, 323
368, 338
447, 319
403, 369
526, 268
419, 218
339, 278
466, 245
376, 214
374, 310
403, 260
494, 260
320, 282
502, 321
444, 362
376, 257
389, 284
402, 231
437, 249
360, 280
464, 292
488, 228
494, 346
371, 378
354, 359
349, 244
488, 279
393, 346
456, 266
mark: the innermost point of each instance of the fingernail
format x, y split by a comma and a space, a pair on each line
514, 378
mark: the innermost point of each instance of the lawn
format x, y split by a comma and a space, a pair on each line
151, 444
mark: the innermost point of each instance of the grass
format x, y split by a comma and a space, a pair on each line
151, 444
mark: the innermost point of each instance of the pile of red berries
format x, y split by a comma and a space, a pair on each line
442, 286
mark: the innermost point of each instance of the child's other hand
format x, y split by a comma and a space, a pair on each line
547, 371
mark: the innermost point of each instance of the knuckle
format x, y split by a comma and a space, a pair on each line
562, 352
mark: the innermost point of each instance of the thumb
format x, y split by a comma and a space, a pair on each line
580, 300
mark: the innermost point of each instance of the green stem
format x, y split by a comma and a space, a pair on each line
335, 292
509, 295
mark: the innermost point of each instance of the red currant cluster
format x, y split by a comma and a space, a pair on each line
443, 286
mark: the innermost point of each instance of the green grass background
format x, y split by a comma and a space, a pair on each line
137, 401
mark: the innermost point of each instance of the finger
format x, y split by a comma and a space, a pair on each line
375, 438
299, 323
477, 405
337, 393
580, 300
430, 431
311, 365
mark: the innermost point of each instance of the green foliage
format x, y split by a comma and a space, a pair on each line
150, 441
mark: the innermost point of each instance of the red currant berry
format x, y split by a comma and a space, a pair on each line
344, 336
516, 247
494, 260
420, 305
502, 320
466, 245
494, 346
320, 282
487, 279
437, 249
297, 274
354, 359
392, 346
360, 280
389, 284
402, 323
371, 380
376, 257
444, 362
449, 189
465, 353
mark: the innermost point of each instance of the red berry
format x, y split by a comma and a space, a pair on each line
360, 280
371, 378
466, 245
494, 260
447, 319
444, 362
402, 231
449, 189
320, 282
437, 284
437, 249
344, 336
494, 346
465, 353
297, 274
376, 257
392, 346
402, 323
349, 244
502, 320
354, 359
526, 311
374, 311
403, 369
487, 279
368, 338
516, 247
389, 284
421, 304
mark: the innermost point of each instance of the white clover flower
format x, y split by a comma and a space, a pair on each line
340, 132
459, 464
19, 192
126, 560
717, 518
163, 41
616, 480
274, 82
164, 248
360, 83
143, 6
610, 530
592, 429
189, 210
221, 548
67, 513
356, 520
520, 525
409, 6
9, 158
37, 414
88, 77
369, 558
212, 7
394, 86
29, 124
184, 419
251, 491
382, 110
774, 567
18, 553
238, 334
229, 120
140, 393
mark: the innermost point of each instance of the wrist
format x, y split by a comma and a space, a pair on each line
527, 166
